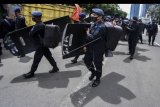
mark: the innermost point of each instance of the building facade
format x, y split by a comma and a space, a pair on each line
143, 10
134, 11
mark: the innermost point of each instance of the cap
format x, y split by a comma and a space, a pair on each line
98, 11
17, 9
82, 15
36, 13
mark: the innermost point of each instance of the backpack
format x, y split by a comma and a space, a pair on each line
52, 36
113, 35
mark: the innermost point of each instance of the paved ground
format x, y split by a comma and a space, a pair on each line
124, 83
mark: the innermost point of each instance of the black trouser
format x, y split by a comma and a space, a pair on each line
76, 57
140, 38
93, 59
20, 50
38, 56
132, 42
151, 36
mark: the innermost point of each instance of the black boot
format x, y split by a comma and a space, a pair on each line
74, 61
91, 76
96, 83
28, 75
55, 69
20, 56
131, 57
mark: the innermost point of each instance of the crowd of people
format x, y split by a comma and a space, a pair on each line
94, 52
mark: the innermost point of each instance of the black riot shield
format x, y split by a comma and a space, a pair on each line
23, 41
73, 39
75, 34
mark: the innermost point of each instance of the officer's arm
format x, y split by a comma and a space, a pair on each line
98, 33
156, 28
133, 28
33, 31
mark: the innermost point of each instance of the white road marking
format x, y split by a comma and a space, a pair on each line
157, 43
81, 84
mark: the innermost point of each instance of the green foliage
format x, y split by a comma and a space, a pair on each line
109, 9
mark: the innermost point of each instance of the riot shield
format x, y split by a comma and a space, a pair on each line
75, 34
73, 39
24, 42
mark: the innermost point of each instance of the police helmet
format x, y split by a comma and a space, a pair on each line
98, 11
17, 9
135, 18
82, 15
36, 13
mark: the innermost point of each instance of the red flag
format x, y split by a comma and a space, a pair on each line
76, 12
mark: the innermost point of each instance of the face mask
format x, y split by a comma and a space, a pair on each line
34, 19
94, 19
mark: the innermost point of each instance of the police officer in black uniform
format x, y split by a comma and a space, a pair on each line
81, 20
141, 30
19, 23
6, 26
133, 36
153, 29
95, 51
37, 32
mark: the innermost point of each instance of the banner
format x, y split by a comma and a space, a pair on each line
76, 12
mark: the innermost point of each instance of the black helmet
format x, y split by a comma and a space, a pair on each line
82, 15
17, 9
135, 18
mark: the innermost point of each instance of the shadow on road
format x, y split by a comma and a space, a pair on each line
119, 53
141, 49
109, 91
1, 77
76, 64
25, 59
1, 64
137, 56
49, 81
6, 54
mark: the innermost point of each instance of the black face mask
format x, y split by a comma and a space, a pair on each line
94, 19
33, 19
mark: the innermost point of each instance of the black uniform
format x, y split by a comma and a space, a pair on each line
147, 28
37, 32
152, 30
95, 51
133, 37
141, 30
6, 26
20, 23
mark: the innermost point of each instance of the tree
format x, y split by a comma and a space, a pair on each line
109, 9
154, 12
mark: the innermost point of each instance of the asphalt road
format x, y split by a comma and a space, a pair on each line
125, 83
